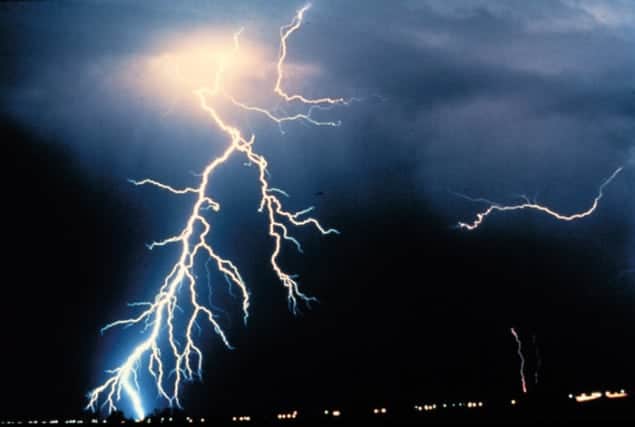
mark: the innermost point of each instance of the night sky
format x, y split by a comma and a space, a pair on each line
487, 98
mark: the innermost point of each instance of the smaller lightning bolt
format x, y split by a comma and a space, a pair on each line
523, 383
538, 360
480, 217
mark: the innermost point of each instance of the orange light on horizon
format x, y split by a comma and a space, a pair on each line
583, 397
616, 395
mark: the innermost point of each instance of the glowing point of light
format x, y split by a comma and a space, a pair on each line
480, 217
158, 315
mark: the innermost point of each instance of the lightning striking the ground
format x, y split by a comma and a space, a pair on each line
519, 345
480, 217
183, 359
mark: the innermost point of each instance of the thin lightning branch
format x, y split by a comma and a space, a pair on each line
163, 186
538, 360
523, 383
158, 316
282, 119
285, 33
314, 104
480, 217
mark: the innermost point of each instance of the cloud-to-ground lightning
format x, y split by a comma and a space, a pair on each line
158, 317
480, 217
519, 350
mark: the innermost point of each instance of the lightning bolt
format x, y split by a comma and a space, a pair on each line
158, 317
519, 344
480, 217
538, 360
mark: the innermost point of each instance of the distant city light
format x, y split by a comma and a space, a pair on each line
289, 415
616, 395
583, 397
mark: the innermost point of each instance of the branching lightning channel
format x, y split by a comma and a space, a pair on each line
519, 350
158, 316
480, 217
314, 104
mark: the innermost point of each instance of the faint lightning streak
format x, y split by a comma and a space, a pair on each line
522, 360
480, 217
538, 360
159, 315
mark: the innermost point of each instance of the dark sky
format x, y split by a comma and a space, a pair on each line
492, 99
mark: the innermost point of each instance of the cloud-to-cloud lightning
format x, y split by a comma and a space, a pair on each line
480, 217
159, 316
519, 347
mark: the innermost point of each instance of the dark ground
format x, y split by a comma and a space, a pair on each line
533, 410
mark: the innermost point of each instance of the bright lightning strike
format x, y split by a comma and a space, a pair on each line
480, 217
158, 317
519, 344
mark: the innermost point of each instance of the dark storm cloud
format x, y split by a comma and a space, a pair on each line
489, 98
498, 97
